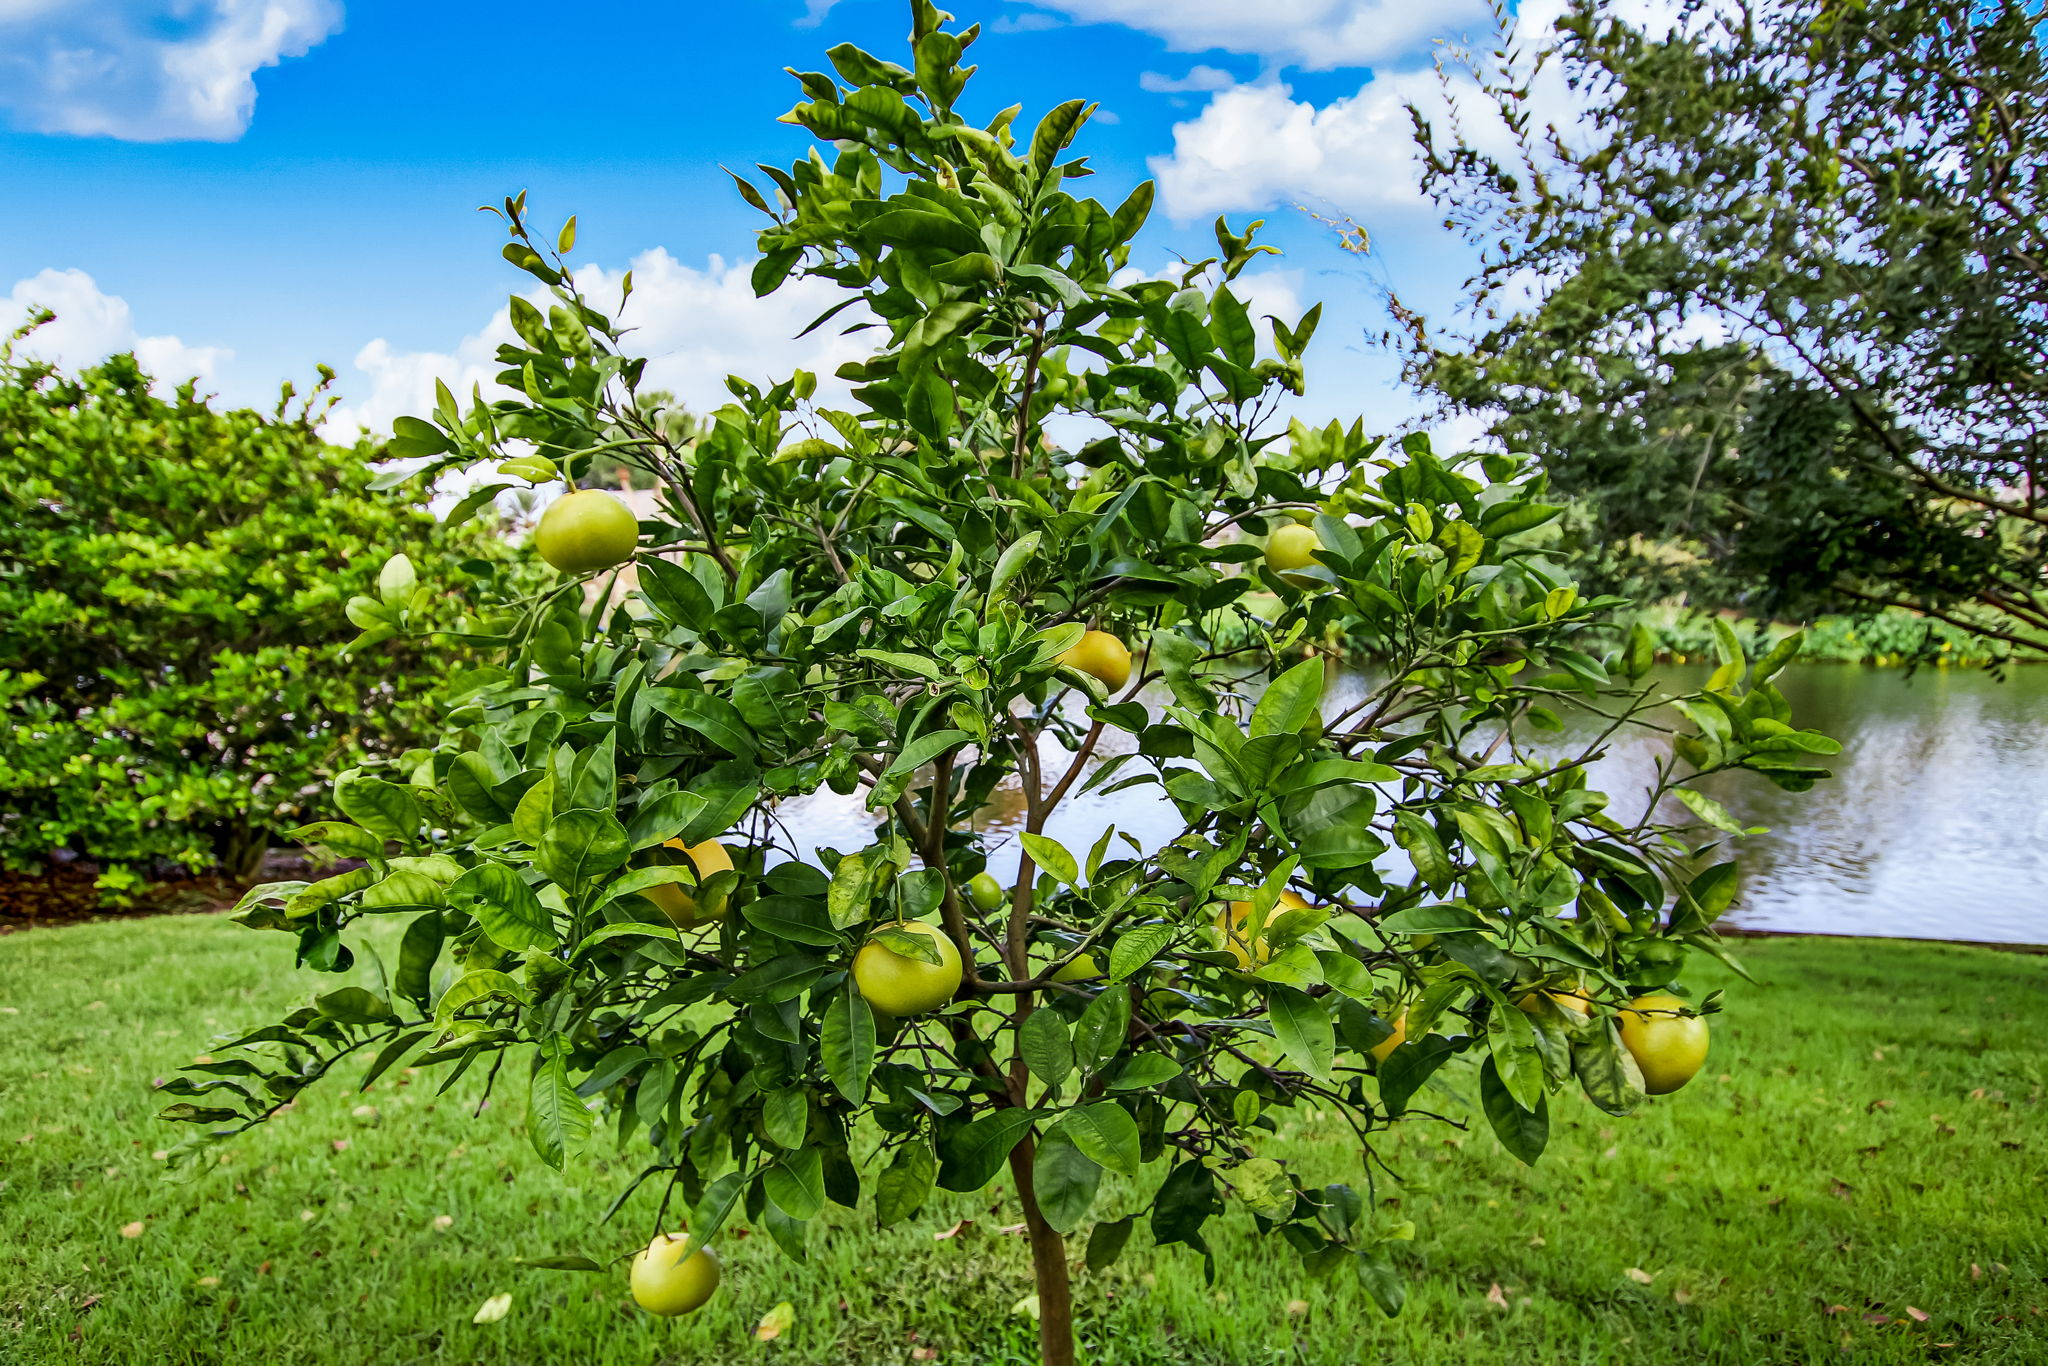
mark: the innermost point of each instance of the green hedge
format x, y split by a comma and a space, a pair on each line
174, 582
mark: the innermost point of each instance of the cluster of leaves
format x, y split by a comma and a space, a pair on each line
876, 600
1794, 301
175, 586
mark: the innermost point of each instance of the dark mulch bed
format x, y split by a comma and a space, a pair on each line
64, 894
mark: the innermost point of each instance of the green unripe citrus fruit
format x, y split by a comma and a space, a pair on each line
898, 985
586, 530
1292, 547
985, 892
1669, 1048
672, 1277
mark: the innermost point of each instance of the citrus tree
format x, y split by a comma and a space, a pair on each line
934, 592
178, 584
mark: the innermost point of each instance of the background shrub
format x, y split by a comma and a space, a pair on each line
175, 584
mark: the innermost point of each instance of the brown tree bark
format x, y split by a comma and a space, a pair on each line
1049, 1263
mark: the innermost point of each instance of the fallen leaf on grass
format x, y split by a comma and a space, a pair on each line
1026, 1307
493, 1309
924, 1354
1638, 1275
775, 1322
953, 1232
1917, 1315
1296, 1308
1494, 1295
133, 1230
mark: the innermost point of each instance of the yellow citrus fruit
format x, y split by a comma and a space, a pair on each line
1082, 969
1292, 547
1393, 1041
897, 985
671, 1277
985, 892
1245, 948
1103, 655
586, 530
1574, 1002
676, 902
1669, 1049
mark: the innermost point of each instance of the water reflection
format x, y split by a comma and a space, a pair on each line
1935, 825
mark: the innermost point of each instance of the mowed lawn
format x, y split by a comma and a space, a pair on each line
1861, 1174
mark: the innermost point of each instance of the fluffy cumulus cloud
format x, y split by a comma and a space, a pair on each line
1317, 35
148, 70
694, 325
91, 325
1254, 145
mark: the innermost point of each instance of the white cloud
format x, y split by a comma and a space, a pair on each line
1255, 145
1203, 78
148, 70
91, 325
1317, 35
694, 326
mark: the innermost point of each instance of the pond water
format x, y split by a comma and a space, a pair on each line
1935, 825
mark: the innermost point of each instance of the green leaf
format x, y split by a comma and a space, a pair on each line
1408, 1066
1713, 891
799, 919
797, 1183
1103, 1028
1303, 1030
582, 846
1064, 1179
1106, 1243
1049, 854
353, 1005
478, 984
1290, 701
847, 1045
1137, 948
1431, 920
855, 883
417, 953
1045, 1047
1381, 1279
911, 664
378, 806
1709, 810
1418, 839
1523, 1132
1142, 1072
505, 906
1609, 1076
1511, 1044
785, 1116
1106, 1132
339, 839
1055, 131
714, 718
557, 1121
906, 1183
976, 1151
924, 749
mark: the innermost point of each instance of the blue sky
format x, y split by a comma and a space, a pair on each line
243, 188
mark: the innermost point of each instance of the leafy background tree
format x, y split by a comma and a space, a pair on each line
1791, 299
175, 587
921, 599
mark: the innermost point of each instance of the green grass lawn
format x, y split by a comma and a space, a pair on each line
1861, 1174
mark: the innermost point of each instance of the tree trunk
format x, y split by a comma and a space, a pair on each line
1049, 1262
